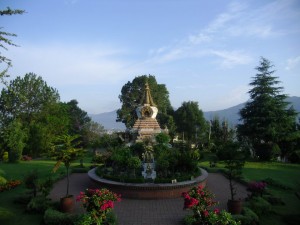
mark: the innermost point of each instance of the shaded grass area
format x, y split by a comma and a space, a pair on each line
287, 174
14, 214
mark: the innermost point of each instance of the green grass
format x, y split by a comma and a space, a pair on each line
14, 214
287, 174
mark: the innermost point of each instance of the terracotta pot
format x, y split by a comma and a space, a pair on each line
235, 206
67, 204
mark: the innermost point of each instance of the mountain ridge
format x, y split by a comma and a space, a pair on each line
231, 114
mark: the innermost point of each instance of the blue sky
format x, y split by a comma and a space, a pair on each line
204, 51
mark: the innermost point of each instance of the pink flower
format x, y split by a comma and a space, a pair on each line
217, 211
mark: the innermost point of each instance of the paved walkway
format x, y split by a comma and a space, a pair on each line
149, 212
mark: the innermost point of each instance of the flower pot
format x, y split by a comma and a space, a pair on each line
235, 206
67, 204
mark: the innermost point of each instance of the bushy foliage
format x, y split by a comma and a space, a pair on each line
3, 181
259, 205
38, 204
5, 157
54, 217
247, 217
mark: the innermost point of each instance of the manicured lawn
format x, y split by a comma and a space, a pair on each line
287, 174
14, 214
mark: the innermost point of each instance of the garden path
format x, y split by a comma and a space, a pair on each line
148, 212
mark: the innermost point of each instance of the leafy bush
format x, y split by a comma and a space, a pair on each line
248, 217
38, 204
2, 180
54, 217
5, 157
162, 180
189, 220
260, 206
134, 180
111, 218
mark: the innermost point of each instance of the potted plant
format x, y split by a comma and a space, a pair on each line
234, 171
65, 150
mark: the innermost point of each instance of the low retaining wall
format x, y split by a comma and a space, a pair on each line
149, 190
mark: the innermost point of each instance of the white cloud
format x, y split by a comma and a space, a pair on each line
292, 63
66, 65
232, 58
238, 21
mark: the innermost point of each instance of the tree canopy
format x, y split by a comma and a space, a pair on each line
25, 98
5, 41
132, 96
190, 120
266, 118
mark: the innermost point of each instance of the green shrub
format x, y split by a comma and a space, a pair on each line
162, 180
111, 218
54, 217
248, 217
5, 157
260, 206
2, 180
38, 204
134, 180
189, 220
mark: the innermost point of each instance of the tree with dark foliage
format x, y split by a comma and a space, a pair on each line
267, 120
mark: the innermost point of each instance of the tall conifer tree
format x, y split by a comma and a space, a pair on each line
266, 118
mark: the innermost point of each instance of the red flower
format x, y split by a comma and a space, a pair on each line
205, 213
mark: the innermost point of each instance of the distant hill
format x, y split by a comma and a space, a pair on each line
232, 113
108, 119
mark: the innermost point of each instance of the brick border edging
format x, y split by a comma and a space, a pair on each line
149, 190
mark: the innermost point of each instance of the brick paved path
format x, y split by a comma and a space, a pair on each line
149, 212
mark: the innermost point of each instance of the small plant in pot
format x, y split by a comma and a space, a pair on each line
234, 165
66, 150
234, 168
